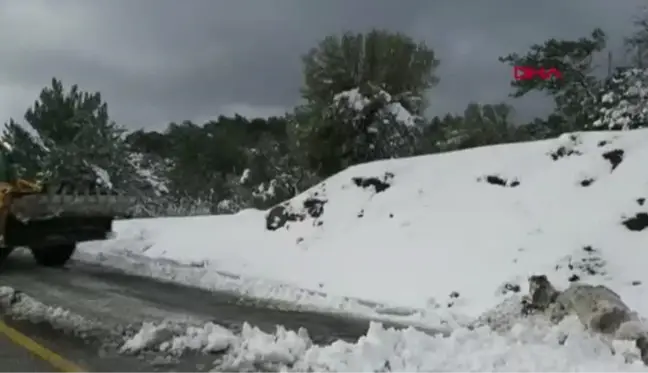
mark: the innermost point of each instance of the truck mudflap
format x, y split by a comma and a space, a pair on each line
43, 206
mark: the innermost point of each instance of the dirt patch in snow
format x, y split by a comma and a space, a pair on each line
508, 288
588, 262
282, 214
587, 182
563, 152
499, 181
637, 223
378, 184
615, 157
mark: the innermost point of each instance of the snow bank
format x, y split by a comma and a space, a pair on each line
440, 238
20, 306
530, 346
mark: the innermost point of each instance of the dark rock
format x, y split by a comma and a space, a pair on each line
495, 180
587, 182
314, 207
454, 295
602, 143
615, 157
499, 181
573, 278
588, 249
391, 215
642, 345
641, 201
378, 184
541, 292
637, 223
279, 215
635, 283
562, 152
515, 288
361, 213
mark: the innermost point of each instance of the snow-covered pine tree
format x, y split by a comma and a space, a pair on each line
68, 136
389, 70
623, 101
378, 125
272, 175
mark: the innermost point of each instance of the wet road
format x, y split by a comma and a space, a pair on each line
119, 301
14, 358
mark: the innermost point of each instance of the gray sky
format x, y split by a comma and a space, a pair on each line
157, 61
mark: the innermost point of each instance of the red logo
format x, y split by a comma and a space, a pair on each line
528, 73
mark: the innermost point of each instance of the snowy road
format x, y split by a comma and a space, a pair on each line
105, 306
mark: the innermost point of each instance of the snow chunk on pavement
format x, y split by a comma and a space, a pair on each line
529, 345
175, 339
209, 338
148, 335
257, 350
23, 307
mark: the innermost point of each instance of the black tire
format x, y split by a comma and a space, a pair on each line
4, 253
53, 256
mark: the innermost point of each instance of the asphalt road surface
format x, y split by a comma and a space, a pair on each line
14, 358
119, 301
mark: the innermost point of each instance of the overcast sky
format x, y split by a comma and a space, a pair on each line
157, 61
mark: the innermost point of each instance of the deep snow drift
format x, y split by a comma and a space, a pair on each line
439, 238
531, 345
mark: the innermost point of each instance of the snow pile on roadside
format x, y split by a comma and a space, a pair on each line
440, 238
20, 306
168, 337
529, 346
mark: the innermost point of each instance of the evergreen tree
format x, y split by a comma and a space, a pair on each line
391, 61
388, 72
68, 137
637, 43
485, 125
575, 93
623, 101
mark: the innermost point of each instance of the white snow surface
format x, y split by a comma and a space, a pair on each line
23, 307
103, 177
439, 228
33, 133
530, 345
358, 101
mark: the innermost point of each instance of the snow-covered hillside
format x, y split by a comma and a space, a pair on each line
444, 224
437, 239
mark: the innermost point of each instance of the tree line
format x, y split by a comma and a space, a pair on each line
364, 98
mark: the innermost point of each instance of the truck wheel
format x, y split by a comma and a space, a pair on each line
53, 256
4, 253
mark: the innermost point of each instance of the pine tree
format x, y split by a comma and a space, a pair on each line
68, 137
623, 101
364, 98
575, 92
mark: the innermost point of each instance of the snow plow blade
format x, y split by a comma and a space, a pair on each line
43, 219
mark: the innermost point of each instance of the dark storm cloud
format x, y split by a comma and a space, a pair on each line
162, 60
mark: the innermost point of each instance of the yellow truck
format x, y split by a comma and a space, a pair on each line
51, 219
